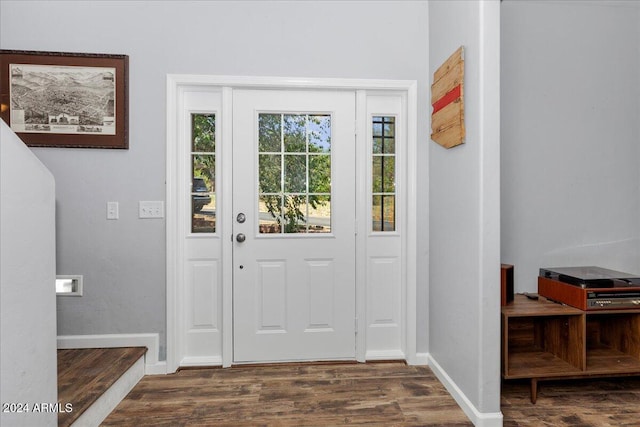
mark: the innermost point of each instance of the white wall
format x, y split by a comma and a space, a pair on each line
570, 136
28, 365
464, 210
123, 261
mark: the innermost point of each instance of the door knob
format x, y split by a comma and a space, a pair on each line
241, 238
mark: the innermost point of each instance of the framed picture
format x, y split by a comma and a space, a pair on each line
56, 99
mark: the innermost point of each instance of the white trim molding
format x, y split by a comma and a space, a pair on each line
152, 341
479, 419
176, 84
385, 355
203, 362
422, 359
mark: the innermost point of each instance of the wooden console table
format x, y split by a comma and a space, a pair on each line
543, 340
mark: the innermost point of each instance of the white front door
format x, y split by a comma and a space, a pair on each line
288, 160
293, 225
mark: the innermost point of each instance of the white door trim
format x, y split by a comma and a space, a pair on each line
175, 247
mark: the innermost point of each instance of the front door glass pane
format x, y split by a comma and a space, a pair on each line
294, 173
295, 132
270, 133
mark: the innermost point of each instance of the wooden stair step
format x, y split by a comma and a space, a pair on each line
84, 375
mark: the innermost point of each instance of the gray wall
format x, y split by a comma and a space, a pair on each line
570, 136
123, 261
27, 284
464, 210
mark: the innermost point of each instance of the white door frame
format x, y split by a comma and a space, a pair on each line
174, 246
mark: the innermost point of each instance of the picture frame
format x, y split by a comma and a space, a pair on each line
59, 99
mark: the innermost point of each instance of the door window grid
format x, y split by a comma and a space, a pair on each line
203, 173
383, 199
294, 173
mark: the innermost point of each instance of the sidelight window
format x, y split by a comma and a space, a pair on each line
203, 173
383, 212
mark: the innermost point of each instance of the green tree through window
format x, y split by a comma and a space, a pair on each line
203, 173
295, 171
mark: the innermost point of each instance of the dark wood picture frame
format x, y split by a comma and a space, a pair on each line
63, 119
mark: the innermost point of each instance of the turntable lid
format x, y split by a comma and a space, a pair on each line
590, 276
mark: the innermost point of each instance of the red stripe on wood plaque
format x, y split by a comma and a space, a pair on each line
447, 99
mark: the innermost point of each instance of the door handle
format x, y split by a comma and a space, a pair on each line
241, 238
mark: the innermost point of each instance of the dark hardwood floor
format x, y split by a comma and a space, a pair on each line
603, 402
378, 394
382, 394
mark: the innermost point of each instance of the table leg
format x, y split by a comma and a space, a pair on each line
534, 390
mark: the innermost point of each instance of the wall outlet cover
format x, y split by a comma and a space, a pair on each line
112, 210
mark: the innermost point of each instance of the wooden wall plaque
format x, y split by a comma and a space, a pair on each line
447, 100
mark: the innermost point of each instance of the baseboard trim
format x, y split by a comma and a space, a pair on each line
159, 368
385, 355
479, 419
152, 341
201, 361
422, 359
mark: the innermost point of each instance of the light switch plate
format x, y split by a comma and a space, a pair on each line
151, 209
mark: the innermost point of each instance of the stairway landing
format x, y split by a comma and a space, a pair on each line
94, 380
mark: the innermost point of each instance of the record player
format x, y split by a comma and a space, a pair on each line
590, 288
